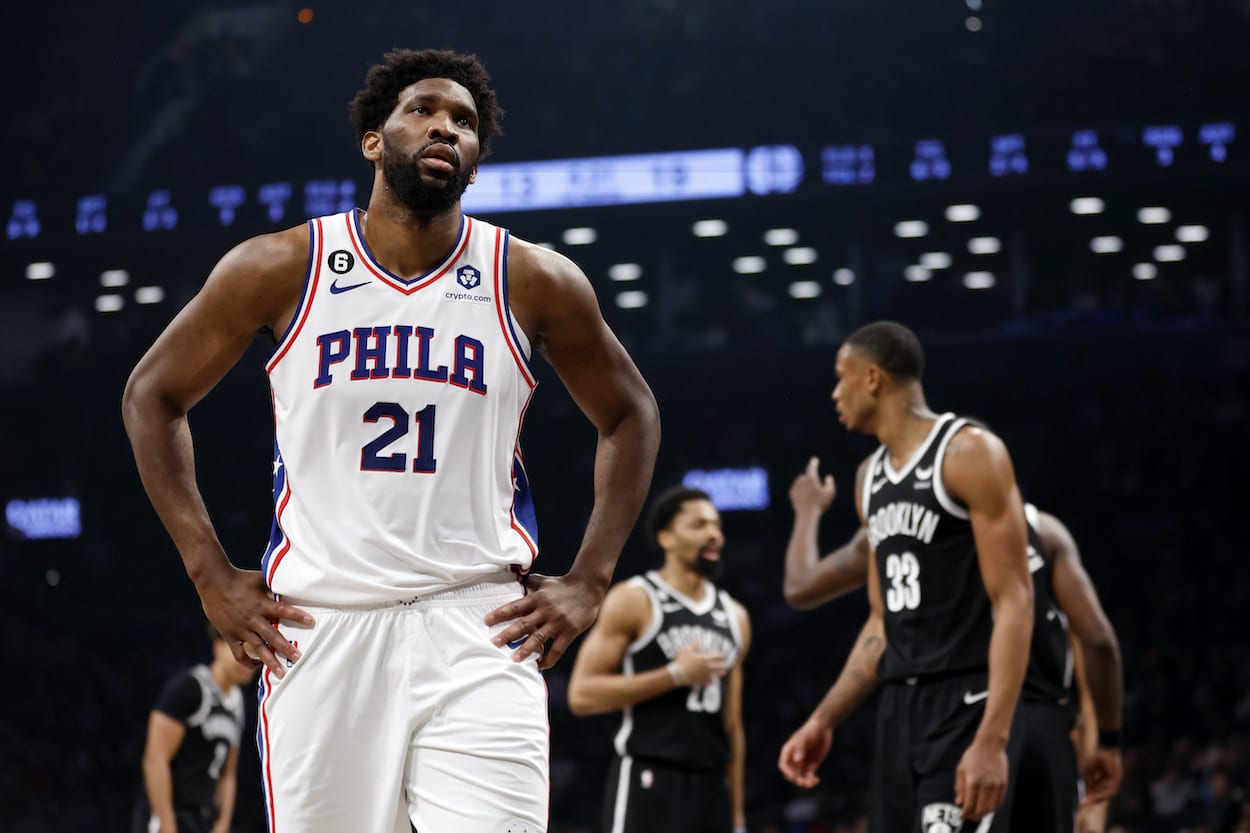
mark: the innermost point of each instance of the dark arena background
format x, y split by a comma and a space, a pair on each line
1053, 195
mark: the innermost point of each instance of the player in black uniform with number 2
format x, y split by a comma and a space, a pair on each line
950, 598
667, 651
191, 755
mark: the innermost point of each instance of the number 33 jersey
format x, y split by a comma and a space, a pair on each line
937, 613
397, 411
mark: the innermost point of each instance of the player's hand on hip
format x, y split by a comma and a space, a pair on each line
699, 666
810, 492
981, 778
546, 620
241, 607
804, 752
1103, 772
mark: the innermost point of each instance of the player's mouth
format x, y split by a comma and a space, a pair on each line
710, 553
441, 156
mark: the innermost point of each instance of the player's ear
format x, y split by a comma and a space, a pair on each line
664, 538
371, 146
473, 175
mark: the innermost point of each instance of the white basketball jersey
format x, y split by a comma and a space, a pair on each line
397, 413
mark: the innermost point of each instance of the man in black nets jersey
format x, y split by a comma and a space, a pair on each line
951, 601
191, 755
1045, 789
667, 651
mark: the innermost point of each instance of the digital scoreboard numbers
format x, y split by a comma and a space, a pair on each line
1050, 156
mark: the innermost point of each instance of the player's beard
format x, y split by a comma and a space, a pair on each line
427, 196
710, 569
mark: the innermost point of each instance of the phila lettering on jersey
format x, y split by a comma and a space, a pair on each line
685, 726
937, 614
397, 412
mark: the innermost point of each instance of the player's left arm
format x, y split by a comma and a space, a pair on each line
978, 473
555, 305
1104, 672
227, 789
733, 725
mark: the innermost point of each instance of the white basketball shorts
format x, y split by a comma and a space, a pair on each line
405, 712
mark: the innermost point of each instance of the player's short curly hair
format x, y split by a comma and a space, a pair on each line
892, 347
401, 68
667, 506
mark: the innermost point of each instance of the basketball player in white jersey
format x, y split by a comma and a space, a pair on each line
401, 648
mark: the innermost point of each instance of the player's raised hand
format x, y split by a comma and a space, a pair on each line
804, 752
554, 611
810, 492
239, 605
700, 667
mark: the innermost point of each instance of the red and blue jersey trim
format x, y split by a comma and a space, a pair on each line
505, 312
407, 285
308, 292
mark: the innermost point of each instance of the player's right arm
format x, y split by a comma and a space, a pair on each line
811, 580
256, 286
807, 747
165, 736
597, 684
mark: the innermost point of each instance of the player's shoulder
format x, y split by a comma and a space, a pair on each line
970, 439
531, 262
278, 252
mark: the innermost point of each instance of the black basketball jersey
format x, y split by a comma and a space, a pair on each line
1049, 676
686, 726
937, 613
214, 724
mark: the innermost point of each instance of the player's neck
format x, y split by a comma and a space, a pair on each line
685, 581
905, 425
222, 678
407, 242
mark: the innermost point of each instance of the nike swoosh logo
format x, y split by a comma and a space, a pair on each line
519, 641
924, 474
670, 608
972, 699
878, 486
335, 289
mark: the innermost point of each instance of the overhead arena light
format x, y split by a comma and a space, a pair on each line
1109, 244
149, 295
935, 260
805, 289
581, 236
911, 228
749, 265
625, 271
800, 256
114, 277
843, 276
1088, 205
1145, 271
979, 280
781, 237
963, 213
1169, 254
1192, 234
109, 303
985, 245
710, 228
39, 271
632, 299
1153, 215
917, 273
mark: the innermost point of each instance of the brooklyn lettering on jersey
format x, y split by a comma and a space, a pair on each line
400, 351
672, 640
902, 518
